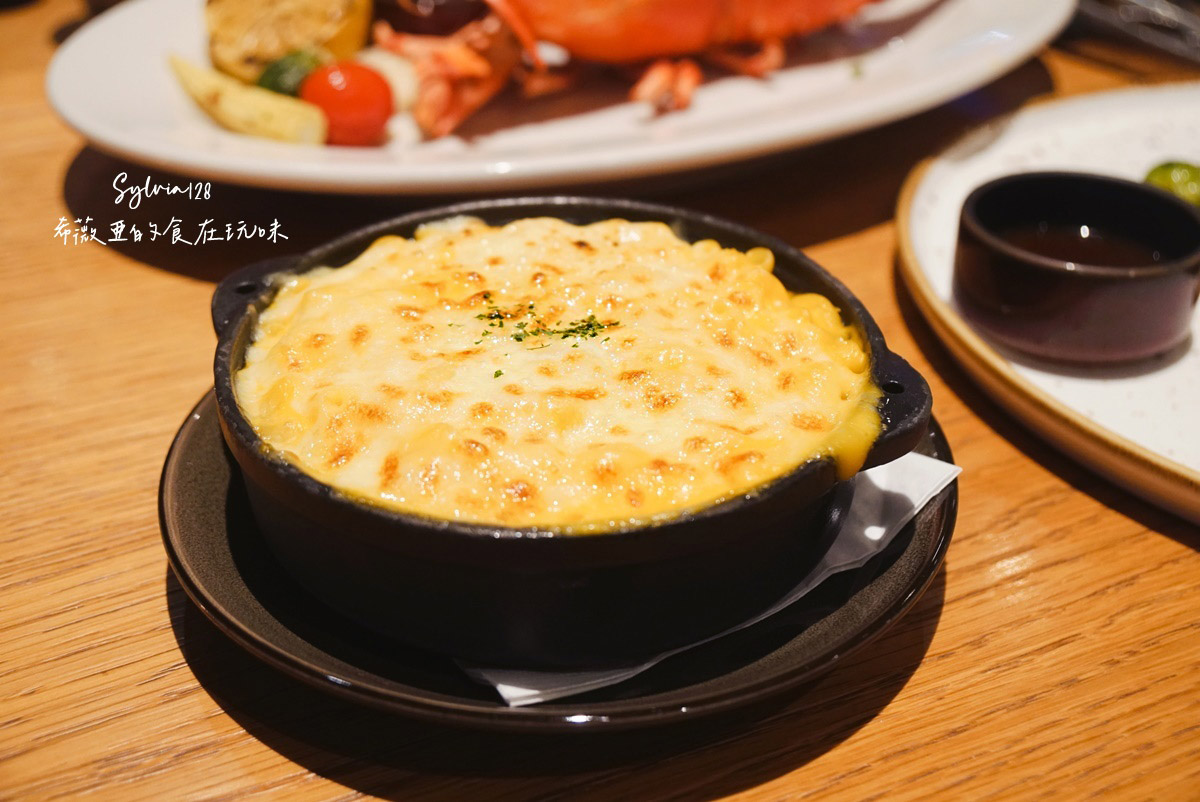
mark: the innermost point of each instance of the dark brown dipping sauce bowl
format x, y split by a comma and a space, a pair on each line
1078, 267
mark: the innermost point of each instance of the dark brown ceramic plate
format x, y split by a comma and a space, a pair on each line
224, 566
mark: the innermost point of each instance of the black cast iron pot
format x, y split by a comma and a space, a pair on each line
529, 597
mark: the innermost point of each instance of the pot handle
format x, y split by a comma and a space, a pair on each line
905, 409
243, 286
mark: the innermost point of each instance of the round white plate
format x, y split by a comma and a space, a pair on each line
110, 81
1135, 424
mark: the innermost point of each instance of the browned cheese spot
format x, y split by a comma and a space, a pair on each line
439, 399
740, 298
513, 389
749, 430
417, 356
495, 260
785, 381
735, 398
587, 394
713, 370
317, 340
659, 465
429, 478
538, 279
723, 339
695, 443
556, 270
584, 245
634, 497
477, 299
481, 410
604, 471
423, 330
572, 357
728, 464
359, 334
411, 312
658, 400
474, 448
618, 430
391, 390
717, 272
764, 357
343, 453
499, 435
389, 469
788, 342
613, 303
294, 362
808, 421
519, 491
547, 370
346, 444
628, 342
368, 412
473, 277
466, 354
632, 375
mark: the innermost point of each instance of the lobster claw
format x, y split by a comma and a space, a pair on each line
769, 57
668, 85
456, 74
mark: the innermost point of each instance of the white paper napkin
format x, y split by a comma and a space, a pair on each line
885, 498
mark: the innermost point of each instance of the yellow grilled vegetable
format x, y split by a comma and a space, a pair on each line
247, 35
251, 109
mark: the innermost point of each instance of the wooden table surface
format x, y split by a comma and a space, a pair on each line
1057, 653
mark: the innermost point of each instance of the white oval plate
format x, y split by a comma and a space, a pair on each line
110, 81
1138, 424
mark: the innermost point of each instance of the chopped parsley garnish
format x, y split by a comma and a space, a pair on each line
534, 326
497, 374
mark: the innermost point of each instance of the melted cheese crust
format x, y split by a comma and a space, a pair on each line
392, 379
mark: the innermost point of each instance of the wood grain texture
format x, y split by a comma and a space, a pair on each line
1057, 655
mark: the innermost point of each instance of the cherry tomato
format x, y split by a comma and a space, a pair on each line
356, 99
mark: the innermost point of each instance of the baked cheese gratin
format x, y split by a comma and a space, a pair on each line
542, 374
